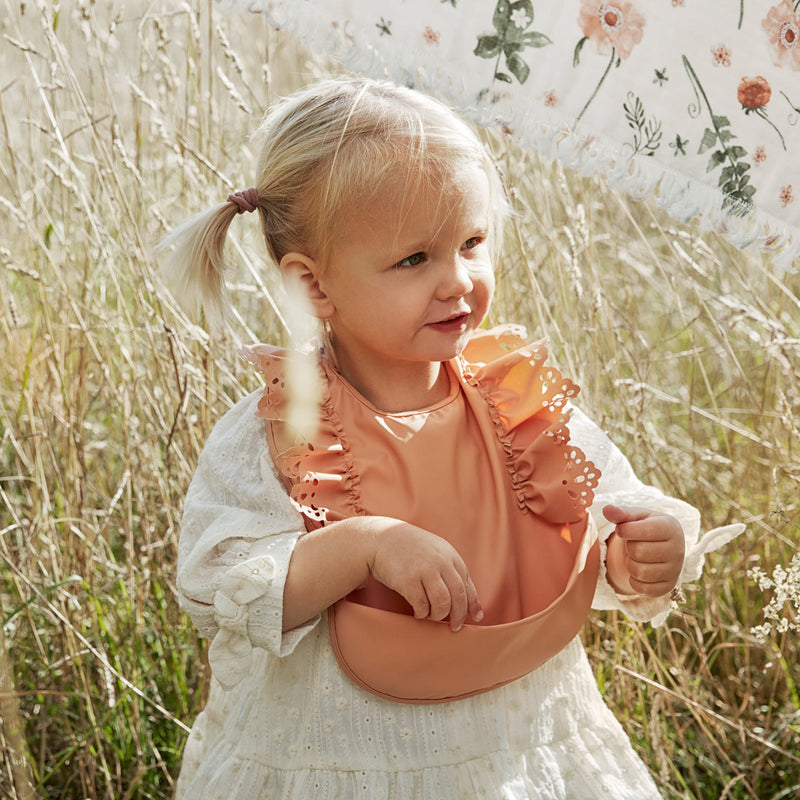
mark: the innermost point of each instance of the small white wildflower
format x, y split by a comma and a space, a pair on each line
761, 632
520, 18
782, 613
761, 578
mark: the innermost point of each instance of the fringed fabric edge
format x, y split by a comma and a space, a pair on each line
576, 148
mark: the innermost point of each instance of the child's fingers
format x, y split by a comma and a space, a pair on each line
653, 569
468, 603
620, 514
653, 548
649, 573
649, 552
657, 528
440, 597
658, 589
474, 607
456, 602
417, 598
452, 594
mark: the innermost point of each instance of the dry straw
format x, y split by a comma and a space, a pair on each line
118, 121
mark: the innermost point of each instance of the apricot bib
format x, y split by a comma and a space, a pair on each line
491, 469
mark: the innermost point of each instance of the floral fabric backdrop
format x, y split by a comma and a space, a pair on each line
693, 102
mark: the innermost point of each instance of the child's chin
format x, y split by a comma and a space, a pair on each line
460, 344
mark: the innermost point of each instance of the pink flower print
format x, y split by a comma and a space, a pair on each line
721, 56
785, 195
344, 29
782, 26
550, 99
677, 3
431, 36
759, 155
618, 26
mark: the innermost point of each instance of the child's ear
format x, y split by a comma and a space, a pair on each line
301, 278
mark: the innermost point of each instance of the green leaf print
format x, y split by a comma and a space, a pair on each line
512, 36
576, 56
488, 46
517, 67
733, 181
708, 141
647, 133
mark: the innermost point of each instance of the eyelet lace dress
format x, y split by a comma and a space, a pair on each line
284, 719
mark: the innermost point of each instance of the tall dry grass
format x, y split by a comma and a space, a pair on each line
118, 120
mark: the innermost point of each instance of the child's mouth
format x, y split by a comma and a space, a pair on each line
456, 323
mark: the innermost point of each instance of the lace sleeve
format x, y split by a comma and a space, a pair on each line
618, 485
237, 536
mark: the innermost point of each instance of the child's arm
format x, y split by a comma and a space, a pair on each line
426, 570
238, 532
619, 486
238, 539
621, 489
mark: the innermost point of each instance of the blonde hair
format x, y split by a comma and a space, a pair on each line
321, 148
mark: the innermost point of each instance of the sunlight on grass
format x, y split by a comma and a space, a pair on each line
118, 121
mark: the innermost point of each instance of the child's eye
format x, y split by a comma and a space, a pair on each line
472, 242
410, 261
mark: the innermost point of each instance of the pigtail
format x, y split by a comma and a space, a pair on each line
194, 266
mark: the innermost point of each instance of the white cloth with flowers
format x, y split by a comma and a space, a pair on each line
291, 725
694, 103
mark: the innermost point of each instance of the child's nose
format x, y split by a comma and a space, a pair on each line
456, 280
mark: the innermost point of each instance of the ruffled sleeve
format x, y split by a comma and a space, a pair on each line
237, 536
528, 403
618, 485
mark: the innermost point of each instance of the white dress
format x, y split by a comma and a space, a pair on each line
291, 725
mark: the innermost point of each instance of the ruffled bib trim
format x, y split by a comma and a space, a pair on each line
314, 473
527, 402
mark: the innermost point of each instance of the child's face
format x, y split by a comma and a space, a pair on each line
410, 277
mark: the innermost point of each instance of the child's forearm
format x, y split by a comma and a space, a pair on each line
425, 569
326, 565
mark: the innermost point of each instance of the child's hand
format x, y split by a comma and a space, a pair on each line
645, 552
427, 571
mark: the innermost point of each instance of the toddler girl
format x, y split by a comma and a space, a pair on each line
394, 599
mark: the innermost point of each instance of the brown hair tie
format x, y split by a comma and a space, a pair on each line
246, 200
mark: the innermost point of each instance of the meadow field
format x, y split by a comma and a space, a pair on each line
120, 119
